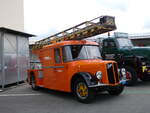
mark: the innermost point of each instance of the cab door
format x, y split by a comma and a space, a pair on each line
60, 70
109, 50
47, 60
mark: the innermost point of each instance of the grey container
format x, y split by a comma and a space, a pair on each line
14, 56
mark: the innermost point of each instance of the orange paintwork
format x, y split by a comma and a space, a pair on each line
60, 78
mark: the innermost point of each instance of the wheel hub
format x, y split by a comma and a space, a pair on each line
82, 90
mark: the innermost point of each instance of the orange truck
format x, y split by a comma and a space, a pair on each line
68, 64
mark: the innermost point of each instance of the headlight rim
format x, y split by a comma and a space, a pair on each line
99, 75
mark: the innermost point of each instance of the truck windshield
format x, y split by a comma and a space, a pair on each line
124, 42
80, 52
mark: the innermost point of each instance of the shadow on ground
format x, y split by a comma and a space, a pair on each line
99, 98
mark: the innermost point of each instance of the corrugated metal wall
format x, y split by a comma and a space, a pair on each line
14, 58
1, 51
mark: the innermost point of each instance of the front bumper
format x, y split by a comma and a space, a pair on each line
122, 82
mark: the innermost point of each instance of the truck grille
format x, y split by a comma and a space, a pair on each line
116, 72
112, 73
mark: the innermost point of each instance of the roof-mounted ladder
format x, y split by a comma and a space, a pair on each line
84, 30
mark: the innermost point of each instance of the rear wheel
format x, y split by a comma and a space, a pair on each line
82, 92
116, 90
131, 76
33, 83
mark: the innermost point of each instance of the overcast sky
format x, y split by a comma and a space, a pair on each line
46, 17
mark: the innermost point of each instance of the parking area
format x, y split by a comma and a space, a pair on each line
22, 99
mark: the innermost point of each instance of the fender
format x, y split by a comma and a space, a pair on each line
89, 79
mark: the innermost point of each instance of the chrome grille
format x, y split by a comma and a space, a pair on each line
112, 72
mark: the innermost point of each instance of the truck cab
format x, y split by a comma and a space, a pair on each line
134, 59
75, 66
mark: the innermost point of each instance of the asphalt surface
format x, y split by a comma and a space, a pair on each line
22, 99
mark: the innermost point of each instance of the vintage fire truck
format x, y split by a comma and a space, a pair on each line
64, 62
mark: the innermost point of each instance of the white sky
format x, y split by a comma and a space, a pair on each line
46, 17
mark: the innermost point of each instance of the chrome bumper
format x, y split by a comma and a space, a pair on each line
122, 82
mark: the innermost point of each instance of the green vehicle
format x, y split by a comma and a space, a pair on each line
133, 61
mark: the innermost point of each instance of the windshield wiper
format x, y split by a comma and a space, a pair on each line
78, 58
97, 57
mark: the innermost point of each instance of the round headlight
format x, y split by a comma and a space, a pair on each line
99, 75
143, 63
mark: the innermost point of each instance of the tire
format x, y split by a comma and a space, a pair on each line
33, 83
133, 80
116, 90
82, 92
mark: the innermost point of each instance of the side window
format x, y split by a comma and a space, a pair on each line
105, 44
57, 55
64, 54
109, 44
112, 44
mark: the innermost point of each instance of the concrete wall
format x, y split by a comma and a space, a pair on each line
12, 14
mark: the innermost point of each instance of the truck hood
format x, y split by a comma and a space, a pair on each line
91, 66
137, 51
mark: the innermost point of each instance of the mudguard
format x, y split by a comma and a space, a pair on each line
89, 79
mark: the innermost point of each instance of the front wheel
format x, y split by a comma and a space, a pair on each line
116, 90
82, 92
